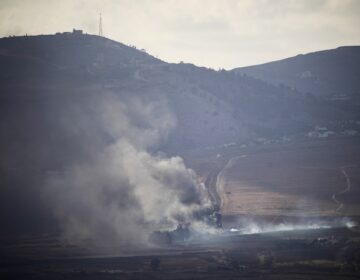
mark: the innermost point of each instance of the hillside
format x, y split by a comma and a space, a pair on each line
227, 106
333, 74
56, 92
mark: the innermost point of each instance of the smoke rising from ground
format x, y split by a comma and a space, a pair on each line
124, 192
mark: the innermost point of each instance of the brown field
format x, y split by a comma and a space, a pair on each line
285, 179
300, 180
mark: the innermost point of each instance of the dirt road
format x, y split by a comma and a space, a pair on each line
348, 188
214, 183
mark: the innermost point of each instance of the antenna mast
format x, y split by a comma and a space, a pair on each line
100, 27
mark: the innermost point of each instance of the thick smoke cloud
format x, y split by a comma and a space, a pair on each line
123, 192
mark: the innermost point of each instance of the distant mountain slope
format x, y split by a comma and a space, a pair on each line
211, 107
332, 73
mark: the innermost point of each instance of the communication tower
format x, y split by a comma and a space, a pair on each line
100, 26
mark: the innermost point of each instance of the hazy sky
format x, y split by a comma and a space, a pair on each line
212, 33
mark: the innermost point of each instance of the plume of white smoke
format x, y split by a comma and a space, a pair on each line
124, 192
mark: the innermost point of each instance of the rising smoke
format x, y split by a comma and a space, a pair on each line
122, 192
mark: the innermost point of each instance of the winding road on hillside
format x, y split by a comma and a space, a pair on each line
214, 183
210, 184
348, 188
334, 197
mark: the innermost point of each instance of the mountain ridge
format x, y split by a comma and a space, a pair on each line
326, 73
296, 55
246, 106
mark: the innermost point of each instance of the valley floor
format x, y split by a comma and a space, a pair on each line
285, 184
309, 178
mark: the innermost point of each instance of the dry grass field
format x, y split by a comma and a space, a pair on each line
298, 180
303, 178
